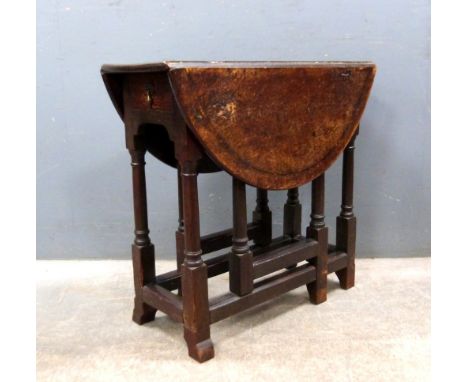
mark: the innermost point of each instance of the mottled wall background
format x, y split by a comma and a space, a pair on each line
84, 205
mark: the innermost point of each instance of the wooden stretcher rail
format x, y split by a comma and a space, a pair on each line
336, 261
218, 264
163, 300
223, 239
277, 259
169, 280
160, 297
230, 303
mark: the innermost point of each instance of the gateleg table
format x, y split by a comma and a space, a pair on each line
270, 125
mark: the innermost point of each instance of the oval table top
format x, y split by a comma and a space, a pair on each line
274, 125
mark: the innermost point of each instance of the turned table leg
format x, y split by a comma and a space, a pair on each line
240, 266
262, 216
346, 222
179, 234
194, 273
318, 231
142, 249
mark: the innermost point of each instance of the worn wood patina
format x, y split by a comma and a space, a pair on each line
271, 125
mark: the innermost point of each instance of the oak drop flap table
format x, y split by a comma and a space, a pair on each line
271, 125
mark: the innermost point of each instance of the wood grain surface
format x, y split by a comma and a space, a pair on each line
273, 125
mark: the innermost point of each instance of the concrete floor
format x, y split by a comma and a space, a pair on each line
377, 331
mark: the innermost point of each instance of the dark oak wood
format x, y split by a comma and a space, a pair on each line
162, 299
318, 231
292, 214
230, 303
142, 248
180, 239
337, 260
272, 125
240, 266
346, 222
223, 239
194, 270
230, 105
261, 216
219, 264
277, 259
179, 234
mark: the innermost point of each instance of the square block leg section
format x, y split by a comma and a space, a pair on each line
318, 289
346, 241
292, 215
196, 312
241, 273
143, 272
262, 216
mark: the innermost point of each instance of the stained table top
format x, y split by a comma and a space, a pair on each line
275, 125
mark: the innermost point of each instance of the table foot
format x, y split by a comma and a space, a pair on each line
346, 277
142, 313
316, 296
200, 351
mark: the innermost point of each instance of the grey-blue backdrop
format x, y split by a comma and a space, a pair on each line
83, 173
